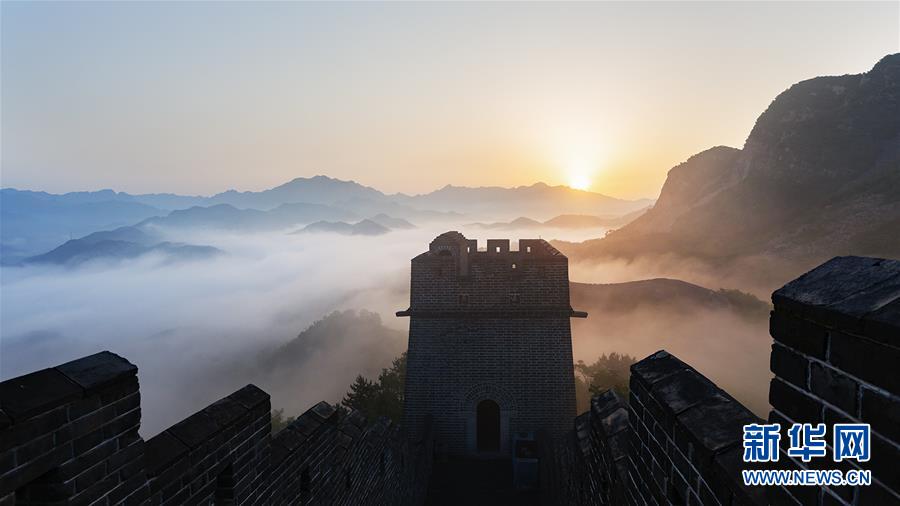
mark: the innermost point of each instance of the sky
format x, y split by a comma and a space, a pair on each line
200, 97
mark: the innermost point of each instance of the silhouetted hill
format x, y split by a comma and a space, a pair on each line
391, 222
819, 176
571, 221
518, 223
121, 244
79, 251
34, 222
227, 217
323, 360
666, 295
364, 227
539, 200
312, 190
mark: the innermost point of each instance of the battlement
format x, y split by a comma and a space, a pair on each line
454, 277
678, 438
69, 435
454, 243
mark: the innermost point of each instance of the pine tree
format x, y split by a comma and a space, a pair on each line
363, 395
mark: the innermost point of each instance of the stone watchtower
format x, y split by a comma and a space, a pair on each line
490, 345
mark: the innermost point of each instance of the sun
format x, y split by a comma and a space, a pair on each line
579, 181
580, 175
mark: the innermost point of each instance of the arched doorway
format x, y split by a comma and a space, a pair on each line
487, 426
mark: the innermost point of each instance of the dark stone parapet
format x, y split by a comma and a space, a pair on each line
40, 391
685, 431
60, 424
69, 435
835, 356
856, 294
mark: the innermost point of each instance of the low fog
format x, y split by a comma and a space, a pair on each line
198, 330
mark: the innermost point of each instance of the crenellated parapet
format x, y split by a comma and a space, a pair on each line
836, 359
69, 435
679, 438
455, 277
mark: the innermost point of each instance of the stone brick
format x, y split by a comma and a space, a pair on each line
798, 406
834, 387
796, 333
34, 427
841, 291
882, 412
162, 450
876, 495
789, 366
98, 370
883, 463
884, 324
866, 359
35, 393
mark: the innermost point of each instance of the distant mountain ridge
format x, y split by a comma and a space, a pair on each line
539, 200
571, 221
819, 176
364, 227
120, 244
35, 222
314, 190
672, 295
228, 217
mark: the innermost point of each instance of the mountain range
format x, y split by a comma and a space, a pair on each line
669, 295
539, 200
35, 222
570, 221
818, 176
121, 244
364, 227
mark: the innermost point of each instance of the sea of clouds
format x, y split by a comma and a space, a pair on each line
198, 330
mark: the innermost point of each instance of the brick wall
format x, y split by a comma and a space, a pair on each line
687, 435
677, 441
594, 465
489, 325
836, 358
453, 276
835, 355
522, 364
69, 435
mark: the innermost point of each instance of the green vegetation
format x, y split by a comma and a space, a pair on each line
609, 371
279, 421
383, 397
746, 305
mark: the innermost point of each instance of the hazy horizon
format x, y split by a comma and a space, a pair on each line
199, 98
330, 177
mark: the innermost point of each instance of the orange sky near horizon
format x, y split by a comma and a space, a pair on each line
198, 98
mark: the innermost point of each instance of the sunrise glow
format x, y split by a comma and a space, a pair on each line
579, 181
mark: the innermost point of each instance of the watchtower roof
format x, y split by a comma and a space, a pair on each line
455, 242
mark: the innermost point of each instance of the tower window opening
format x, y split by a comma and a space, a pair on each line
497, 249
513, 266
527, 249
